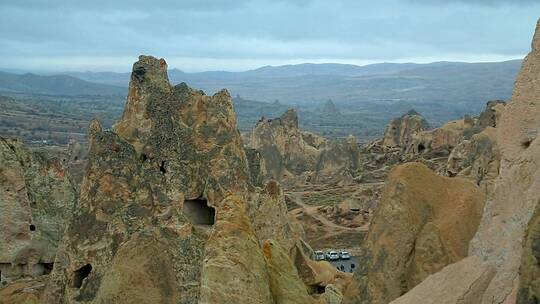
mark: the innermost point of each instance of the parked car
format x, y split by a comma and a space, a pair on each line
332, 255
319, 255
344, 255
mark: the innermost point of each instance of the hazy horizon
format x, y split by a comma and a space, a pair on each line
212, 35
128, 70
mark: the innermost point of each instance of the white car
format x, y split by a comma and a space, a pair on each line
319, 255
332, 255
344, 255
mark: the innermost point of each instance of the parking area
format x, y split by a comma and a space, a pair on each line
348, 265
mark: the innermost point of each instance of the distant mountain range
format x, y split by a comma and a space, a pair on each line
55, 85
462, 85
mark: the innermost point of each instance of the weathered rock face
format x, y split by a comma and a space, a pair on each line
423, 223
36, 201
166, 207
440, 140
400, 130
477, 159
517, 190
462, 283
233, 252
490, 117
282, 146
529, 271
338, 162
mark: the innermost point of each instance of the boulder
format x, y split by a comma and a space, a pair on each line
459, 283
423, 222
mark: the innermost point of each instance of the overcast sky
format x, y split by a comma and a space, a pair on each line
198, 35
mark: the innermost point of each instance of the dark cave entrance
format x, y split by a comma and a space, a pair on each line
198, 212
421, 148
80, 274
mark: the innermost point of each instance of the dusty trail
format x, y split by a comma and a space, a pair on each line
312, 211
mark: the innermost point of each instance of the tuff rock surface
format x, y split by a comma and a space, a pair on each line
282, 146
505, 240
36, 201
423, 222
401, 130
166, 210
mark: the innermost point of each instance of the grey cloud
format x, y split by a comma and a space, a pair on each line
260, 30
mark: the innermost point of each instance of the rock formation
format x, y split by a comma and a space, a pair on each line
476, 158
440, 140
501, 241
36, 201
291, 156
166, 207
282, 146
400, 130
423, 223
517, 189
338, 162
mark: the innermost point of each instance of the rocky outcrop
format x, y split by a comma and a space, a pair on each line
477, 159
400, 130
517, 189
166, 207
36, 201
491, 115
291, 156
423, 223
282, 146
439, 141
501, 241
338, 162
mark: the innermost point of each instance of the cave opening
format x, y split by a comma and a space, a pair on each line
421, 148
198, 212
81, 274
162, 167
32, 227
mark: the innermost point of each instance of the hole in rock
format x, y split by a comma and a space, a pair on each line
318, 289
526, 144
80, 274
143, 157
198, 212
47, 267
162, 167
32, 227
76, 158
421, 148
